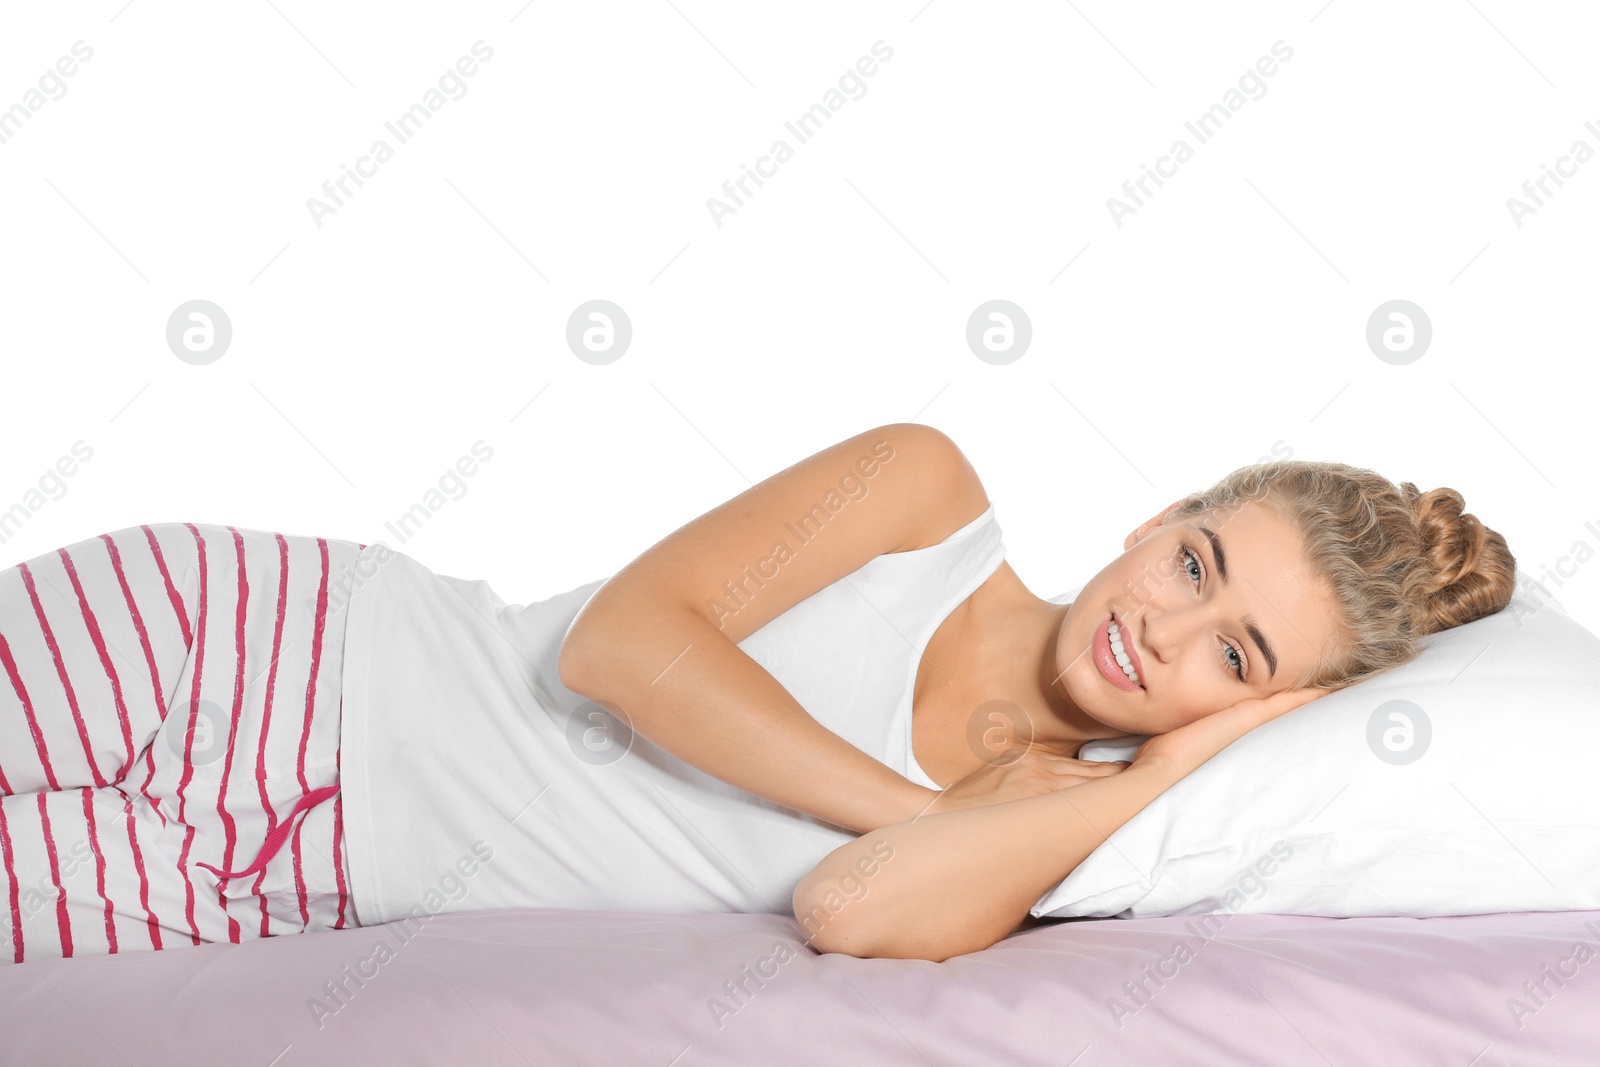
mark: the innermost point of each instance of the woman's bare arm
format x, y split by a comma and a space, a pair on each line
949, 883
660, 643
689, 689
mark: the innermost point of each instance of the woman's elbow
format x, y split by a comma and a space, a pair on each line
831, 922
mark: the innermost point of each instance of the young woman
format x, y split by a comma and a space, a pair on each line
830, 695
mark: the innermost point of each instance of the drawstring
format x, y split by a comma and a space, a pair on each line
279, 834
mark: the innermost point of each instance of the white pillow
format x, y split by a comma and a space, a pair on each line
1341, 808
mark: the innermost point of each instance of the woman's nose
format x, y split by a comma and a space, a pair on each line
1159, 632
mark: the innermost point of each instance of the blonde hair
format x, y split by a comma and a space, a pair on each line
1399, 563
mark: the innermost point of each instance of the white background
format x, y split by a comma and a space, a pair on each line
1226, 316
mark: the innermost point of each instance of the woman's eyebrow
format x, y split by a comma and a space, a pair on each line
1249, 621
1217, 553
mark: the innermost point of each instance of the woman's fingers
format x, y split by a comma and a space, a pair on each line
1194, 743
1285, 701
1085, 768
1044, 753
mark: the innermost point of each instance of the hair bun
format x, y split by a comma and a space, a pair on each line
1470, 565
1451, 540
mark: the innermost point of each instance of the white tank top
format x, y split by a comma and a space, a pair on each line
473, 779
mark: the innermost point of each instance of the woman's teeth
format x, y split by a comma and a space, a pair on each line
1115, 633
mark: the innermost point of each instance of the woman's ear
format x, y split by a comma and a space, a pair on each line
1149, 524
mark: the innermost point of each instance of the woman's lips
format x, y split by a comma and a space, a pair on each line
1106, 660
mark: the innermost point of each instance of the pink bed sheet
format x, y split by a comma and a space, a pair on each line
622, 988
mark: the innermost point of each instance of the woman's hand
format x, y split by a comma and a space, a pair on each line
1020, 772
1187, 747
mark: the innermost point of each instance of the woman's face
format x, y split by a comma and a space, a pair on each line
1194, 611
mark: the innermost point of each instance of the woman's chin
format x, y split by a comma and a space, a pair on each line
1121, 721
1097, 714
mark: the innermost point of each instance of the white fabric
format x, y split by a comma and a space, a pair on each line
460, 740
1302, 816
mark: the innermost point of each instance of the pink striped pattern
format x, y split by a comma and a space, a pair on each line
117, 822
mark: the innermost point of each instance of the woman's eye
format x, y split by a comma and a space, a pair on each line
1189, 558
1237, 663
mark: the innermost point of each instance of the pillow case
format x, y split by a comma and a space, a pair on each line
1400, 795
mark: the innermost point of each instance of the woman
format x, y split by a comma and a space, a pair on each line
830, 694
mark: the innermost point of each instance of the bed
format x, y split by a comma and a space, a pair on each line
619, 988
1202, 932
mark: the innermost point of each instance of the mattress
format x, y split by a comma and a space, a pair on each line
561, 987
